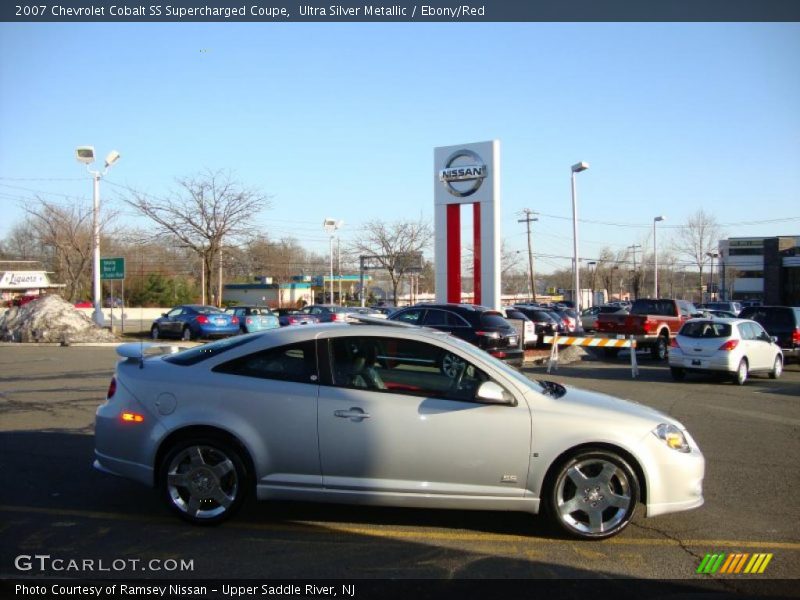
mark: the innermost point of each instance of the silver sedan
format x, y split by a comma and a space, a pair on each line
385, 415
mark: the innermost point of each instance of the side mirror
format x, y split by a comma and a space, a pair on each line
491, 393
163, 314
774, 338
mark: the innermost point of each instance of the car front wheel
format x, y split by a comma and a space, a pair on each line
203, 480
593, 495
187, 334
154, 333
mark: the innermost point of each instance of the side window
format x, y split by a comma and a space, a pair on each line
436, 317
411, 316
401, 366
453, 320
758, 332
174, 312
748, 331
295, 362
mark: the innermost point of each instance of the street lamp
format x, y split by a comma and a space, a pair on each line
331, 225
576, 168
85, 155
655, 256
712, 255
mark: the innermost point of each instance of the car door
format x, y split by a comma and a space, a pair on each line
763, 348
391, 421
276, 391
172, 323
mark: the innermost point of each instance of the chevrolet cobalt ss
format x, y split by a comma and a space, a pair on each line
385, 415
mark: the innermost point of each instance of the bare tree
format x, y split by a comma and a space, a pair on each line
209, 208
64, 232
697, 238
392, 244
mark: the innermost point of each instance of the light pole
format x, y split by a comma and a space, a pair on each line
655, 257
712, 255
529, 218
593, 265
85, 155
576, 168
331, 225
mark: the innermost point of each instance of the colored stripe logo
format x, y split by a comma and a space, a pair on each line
734, 564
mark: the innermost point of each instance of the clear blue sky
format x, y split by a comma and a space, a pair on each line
341, 120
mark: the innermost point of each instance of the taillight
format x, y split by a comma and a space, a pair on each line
131, 417
112, 388
235, 320
248, 320
202, 319
292, 320
498, 354
673, 343
729, 345
489, 334
339, 317
796, 336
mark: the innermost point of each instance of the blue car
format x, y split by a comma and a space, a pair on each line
192, 321
254, 318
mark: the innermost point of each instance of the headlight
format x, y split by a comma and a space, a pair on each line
672, 437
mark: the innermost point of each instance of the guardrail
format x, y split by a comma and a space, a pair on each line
593, 342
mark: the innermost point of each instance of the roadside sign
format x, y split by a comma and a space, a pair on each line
112, 268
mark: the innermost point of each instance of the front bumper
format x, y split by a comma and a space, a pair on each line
674, 479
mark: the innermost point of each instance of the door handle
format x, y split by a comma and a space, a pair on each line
356, 414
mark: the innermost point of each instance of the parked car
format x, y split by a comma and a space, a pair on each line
652, 323
736, 347
546, 323
477, 325
293, 316
254, 318
732, 307
328, 313
711, 313
589, 315
570, 318
367, 414
782, 322
529, 337
192, 321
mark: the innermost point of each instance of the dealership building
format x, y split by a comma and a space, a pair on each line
763, 269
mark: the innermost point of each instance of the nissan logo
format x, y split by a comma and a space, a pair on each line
463, 173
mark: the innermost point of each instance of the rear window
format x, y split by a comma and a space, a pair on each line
664, 308
192, 356
706, 329
493, 319
207, 310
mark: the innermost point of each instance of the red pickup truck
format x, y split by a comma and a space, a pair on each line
650, 322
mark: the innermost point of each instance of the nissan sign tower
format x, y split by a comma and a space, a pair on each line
467, 174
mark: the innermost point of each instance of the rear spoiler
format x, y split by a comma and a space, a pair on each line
136, 351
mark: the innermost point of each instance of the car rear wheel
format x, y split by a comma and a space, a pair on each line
740, 377
593, 495
677, 373
154, 333
777, 368
203, 480
659, 350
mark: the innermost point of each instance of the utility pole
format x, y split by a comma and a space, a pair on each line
635, 276
529, 218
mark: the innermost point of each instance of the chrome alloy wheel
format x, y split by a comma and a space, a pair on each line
741, 372
595, 495
203, 483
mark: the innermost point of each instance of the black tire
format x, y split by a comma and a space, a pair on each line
677, 373
659, 350
777, 368
203, 480
742, 373
154, 333
587, 512
186, 336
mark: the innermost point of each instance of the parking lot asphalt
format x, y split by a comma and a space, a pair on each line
52, 501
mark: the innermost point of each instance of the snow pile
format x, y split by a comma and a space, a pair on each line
50, 319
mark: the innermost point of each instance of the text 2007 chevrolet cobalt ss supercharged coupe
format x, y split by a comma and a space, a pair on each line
382, 415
